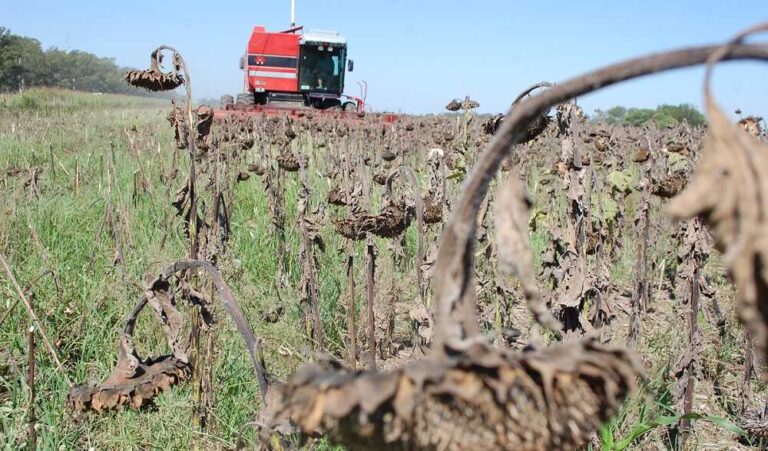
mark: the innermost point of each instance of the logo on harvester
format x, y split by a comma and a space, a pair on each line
260, 60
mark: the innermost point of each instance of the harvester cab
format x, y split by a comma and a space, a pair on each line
293, 68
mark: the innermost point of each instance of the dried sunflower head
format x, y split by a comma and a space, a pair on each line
154, 79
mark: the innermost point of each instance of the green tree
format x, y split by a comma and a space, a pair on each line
83, 71
663, 119
664, 115
21, 61
638, 116
616, 115
24, 63
683, 112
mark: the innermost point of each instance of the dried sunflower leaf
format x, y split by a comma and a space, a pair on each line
729, 192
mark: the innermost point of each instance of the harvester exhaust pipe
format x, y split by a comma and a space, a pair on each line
293, 13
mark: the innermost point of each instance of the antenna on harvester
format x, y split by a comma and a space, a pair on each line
293, 13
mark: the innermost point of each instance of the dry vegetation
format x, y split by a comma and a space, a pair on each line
529, 281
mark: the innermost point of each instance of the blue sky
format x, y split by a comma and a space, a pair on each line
418, 54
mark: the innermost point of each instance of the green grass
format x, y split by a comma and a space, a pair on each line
55, 101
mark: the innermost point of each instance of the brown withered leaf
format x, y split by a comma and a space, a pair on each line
178, 121
182, 199
493, 124
729, 192
204, 122
641, 155
422, 323
433, 209
310, 240
669, 186
337, 196
751, 124
204, 119
515, 254
163, 302
602, 141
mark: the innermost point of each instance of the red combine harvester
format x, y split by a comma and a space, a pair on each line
291, 70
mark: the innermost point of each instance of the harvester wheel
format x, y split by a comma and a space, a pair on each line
325, 104
349, 106
226, 101
245, 99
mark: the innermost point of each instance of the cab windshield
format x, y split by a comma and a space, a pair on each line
321, 68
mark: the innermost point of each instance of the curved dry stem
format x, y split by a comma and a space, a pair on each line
187, 80
454, 291
723, 52
230, 306
191, 140
530, 89
233, 310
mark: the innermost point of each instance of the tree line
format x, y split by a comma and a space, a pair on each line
24, 64
663, 115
